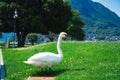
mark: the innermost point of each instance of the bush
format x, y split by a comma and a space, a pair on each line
33, 37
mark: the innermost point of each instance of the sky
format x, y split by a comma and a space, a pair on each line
113, 5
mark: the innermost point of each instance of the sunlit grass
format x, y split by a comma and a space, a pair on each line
82, 61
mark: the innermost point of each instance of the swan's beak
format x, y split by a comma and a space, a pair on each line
65, 36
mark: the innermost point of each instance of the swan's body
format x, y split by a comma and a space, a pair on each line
47, 59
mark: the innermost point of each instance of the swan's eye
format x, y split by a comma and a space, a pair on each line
65, 35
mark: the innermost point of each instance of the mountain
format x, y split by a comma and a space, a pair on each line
100, 21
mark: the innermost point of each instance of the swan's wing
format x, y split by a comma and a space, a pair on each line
46, 56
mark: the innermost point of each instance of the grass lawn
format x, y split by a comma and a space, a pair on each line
82, 61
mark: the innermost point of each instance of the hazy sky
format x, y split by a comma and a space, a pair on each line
113, 5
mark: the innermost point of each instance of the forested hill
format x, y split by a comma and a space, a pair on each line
100, 21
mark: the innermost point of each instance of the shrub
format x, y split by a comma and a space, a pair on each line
33, 37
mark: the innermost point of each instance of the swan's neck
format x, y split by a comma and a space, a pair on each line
59, 47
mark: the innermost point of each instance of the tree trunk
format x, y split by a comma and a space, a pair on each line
21, 38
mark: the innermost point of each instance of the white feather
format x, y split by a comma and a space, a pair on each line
47, 59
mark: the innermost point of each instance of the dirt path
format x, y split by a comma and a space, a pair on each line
41, 78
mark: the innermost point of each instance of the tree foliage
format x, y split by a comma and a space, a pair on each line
32, 37
34, 16
75, 26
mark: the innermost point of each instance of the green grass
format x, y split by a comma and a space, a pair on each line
82, 61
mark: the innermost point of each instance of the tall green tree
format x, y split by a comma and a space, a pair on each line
38, 16
34, 16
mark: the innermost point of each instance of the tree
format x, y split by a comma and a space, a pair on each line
34, 16
29, 18
38, 16
32, 37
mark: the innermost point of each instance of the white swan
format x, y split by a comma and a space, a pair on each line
47, 59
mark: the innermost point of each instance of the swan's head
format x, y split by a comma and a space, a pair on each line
63, 34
